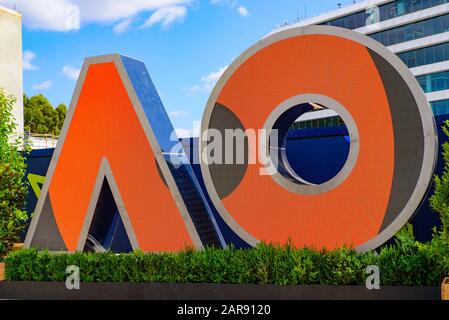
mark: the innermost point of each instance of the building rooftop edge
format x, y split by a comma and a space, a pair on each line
343, 11
333, 14
10, 11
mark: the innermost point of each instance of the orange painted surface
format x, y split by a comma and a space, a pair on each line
106, 125
343, 70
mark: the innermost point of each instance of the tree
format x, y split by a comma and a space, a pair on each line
13, 189
440, 199
62, 112
41, 117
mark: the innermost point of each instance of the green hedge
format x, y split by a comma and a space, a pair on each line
403, 264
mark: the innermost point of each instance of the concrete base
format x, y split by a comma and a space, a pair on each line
154, 291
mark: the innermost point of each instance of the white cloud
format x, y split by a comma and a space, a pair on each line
194, 89
56, 15
43, 86
28, 57
166, 16
188, 133
207, 82
232, 3
213, 77
244, 12
68, 15
177, 113
123, 26
183, 133
71, 72
114, 10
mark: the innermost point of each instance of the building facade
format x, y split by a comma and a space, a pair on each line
416, 30
11, 74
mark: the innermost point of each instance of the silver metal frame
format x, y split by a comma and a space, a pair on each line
353, 149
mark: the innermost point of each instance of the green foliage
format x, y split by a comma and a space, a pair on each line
405, 236
440, 199
13, 189
402, 264
407, 265
41, 117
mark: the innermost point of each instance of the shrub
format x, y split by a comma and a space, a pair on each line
402, 264
440, 199
13, 189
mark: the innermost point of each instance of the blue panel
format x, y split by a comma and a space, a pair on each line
151, 103
106, 221
37, 162
119, 240
425, 218
229, 236
197, 205
188, 186
317, 161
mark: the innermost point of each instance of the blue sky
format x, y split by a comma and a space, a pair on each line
185, 44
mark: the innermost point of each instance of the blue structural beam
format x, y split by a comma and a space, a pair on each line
186, 181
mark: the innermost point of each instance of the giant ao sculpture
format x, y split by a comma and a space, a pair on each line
117, 122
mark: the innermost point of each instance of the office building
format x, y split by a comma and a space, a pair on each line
11, 75
416, 30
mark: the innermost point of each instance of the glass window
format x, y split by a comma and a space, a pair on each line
401, 36
446, 51
433, 54
401, 8
428, 27
437, 25
411, 60
434, 82
420, 58
418, 30
319, 123
445, 25
439, 53
429, 54
423, 83
361, 19
440, 107
351, 22
439, 83
412, 31
409, 33
386, 11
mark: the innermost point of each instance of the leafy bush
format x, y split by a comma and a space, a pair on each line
13, 189
440, 199
405, 264
40, 116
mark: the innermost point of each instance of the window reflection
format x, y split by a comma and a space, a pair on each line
440, 107
413, 31
387, 11
434, 82
423, 56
